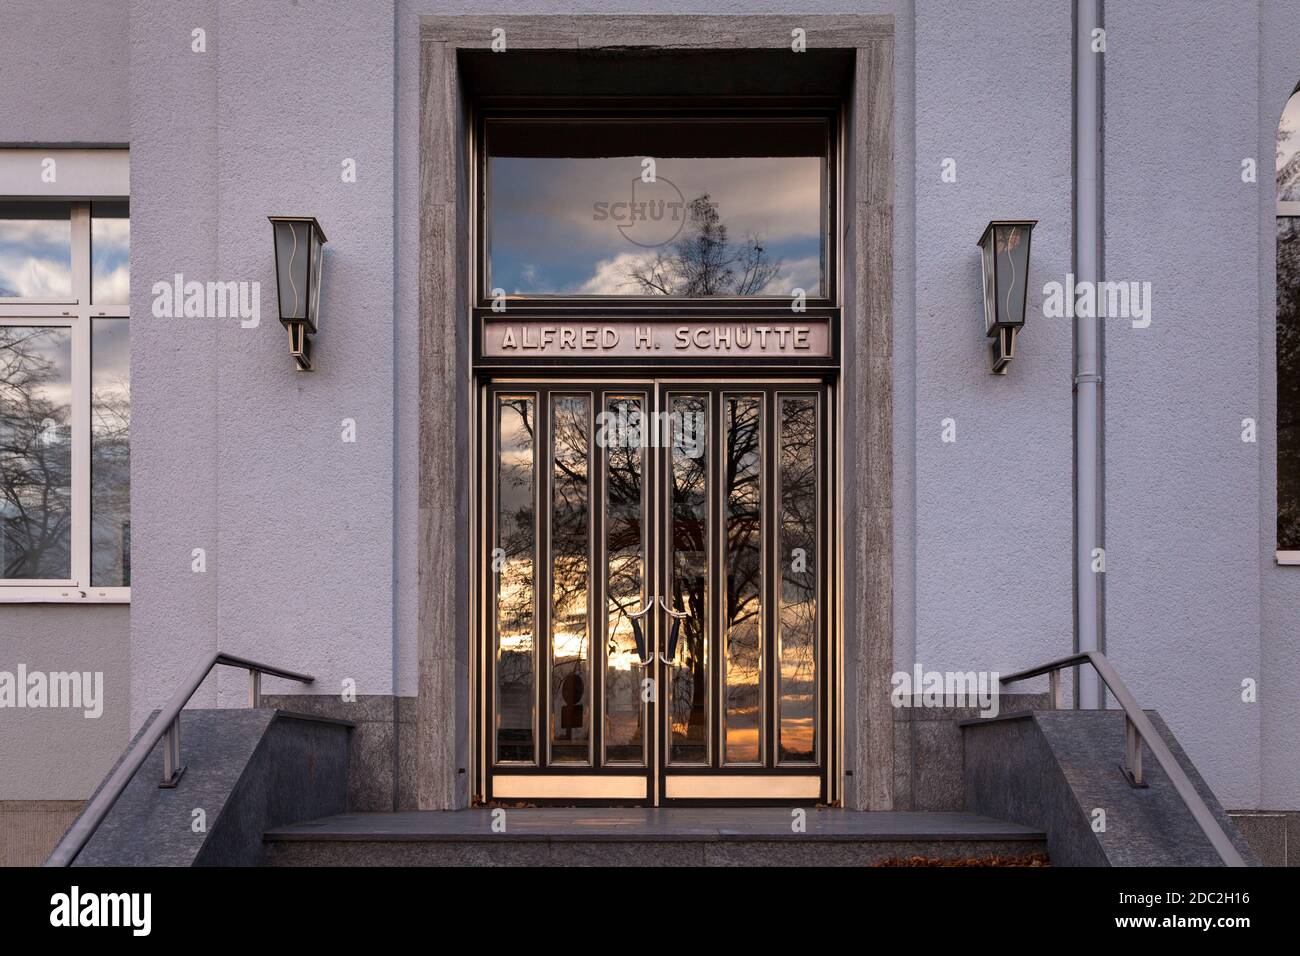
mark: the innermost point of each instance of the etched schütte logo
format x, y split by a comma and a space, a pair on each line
653, 216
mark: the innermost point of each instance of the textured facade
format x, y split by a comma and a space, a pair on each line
312, 543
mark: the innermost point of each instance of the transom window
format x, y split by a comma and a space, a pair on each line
65, 400
703, 207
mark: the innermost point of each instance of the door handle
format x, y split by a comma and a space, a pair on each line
671, 657
637, 635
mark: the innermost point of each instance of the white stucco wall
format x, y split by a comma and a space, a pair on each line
237, 453
1182, 532
59, 754
992, 509
1279, 665
1195, 605
63, 75
62, 753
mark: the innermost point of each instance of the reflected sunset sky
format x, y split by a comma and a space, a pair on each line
547, 235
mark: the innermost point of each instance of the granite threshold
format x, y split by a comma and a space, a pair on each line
684, 824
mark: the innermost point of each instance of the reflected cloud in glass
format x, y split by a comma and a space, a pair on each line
110, 453
110, 252
35, 250
35, 452
729, 211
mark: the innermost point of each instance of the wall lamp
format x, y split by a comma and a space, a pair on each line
1004, 252
299, 248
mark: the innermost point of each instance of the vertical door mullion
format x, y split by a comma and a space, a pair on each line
593, 634
542, 575
595, 603
825, 571
486, 593
716, 549
487, 642
79, 553
597, 571
494, 630
770, 536
655, 515
828, 664
658, 581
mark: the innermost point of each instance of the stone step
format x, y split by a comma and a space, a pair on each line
643, 837
247, 769
1062, 770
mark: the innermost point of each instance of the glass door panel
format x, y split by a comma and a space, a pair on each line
570, 561
625, 578
743, 622
514, 567
798, 562
687, 677
570, 717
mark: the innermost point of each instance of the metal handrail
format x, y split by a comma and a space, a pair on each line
168, 724
1137, 729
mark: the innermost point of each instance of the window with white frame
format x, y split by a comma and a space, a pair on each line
1288, 333
65, 399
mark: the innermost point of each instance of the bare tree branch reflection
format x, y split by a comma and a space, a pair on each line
797, 561
625, 586
35, 453
743, 634
1288, 384
688, 704
516, 582
706, 261
1288, 348
569, 634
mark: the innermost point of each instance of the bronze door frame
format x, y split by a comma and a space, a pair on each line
662, 783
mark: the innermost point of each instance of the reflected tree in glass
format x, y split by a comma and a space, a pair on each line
688, 701
35, 452
743, 632
797, 563
706, 260
1288, 331
570, 564
625, 583
514, 560
1288, 383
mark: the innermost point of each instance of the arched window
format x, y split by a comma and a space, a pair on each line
1288, 332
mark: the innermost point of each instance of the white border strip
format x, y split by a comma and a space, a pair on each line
568, 787
64, 173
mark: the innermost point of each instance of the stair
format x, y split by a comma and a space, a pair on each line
746, 836
268, 786
1057, 770
247, 770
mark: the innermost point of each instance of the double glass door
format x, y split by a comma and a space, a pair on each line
654, 591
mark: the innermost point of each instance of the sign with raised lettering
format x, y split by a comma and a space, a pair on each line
656, 341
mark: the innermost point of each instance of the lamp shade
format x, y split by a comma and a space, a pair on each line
1004, 254
299, 256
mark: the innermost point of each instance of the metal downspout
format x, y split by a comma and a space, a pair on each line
1089, 487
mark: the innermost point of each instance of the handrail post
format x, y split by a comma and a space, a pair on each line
1132, 753
1054, 690
172, 769
254, 688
